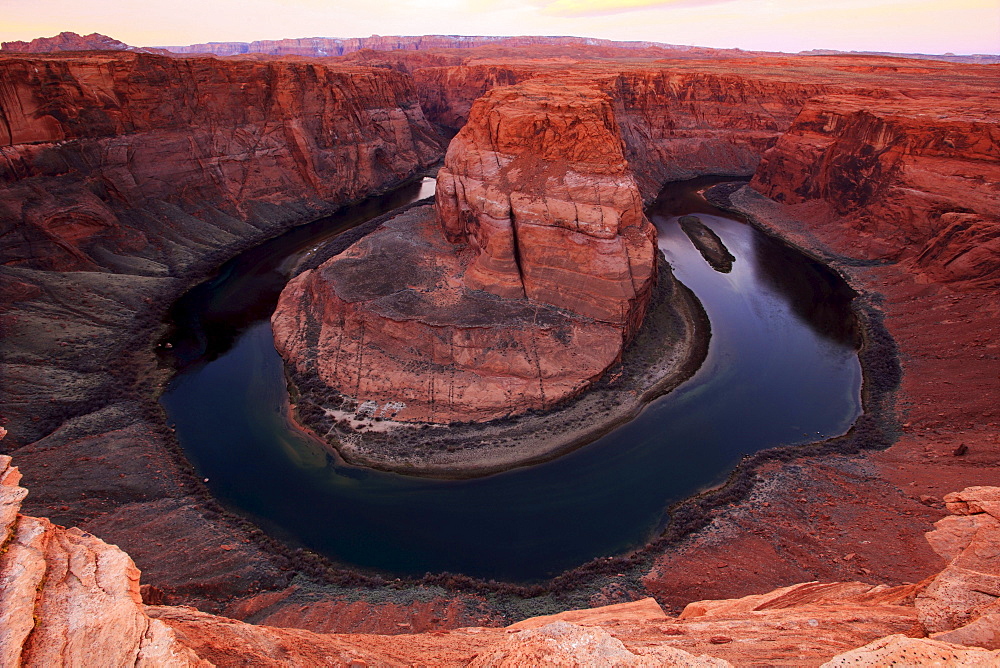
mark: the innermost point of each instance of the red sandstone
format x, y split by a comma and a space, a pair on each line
803, 519
536, 206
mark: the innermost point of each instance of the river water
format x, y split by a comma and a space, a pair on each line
782, 368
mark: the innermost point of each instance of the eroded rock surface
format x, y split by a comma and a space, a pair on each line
123, 178
909, 184
67, 597
962, 603
524, 290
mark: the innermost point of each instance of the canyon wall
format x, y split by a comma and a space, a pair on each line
912, 180
103, 172
124, 178
678, 125
92, 146
678, 119
333, 46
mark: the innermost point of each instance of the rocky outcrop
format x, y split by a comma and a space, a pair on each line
962, 603
538, 186
66, 596
536, 273
68, 41
421, 346
909, 185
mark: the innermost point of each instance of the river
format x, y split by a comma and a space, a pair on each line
782, 368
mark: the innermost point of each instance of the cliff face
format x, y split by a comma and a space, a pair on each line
91, 146
124, 177
419, 345
677, 120
537, 184
101, 171
910, 185
447, 93
678, 125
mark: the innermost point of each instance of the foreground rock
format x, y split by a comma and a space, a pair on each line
66, 597
524, 291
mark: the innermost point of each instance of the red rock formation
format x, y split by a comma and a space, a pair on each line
962, 603
84, 138
66, 596
537, 184
908, 184
146, 172
540, 210
447, 93
420, 339
68, 41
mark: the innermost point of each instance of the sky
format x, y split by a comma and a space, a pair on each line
909, 26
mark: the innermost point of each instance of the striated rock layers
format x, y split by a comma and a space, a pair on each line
143, 167
911, 180
536, 273
124, 178
95, 154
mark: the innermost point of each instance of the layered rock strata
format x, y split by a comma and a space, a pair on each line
101, 174
906, 184
524, 290
123, 179
112, 468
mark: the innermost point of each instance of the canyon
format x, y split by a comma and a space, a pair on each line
116, 198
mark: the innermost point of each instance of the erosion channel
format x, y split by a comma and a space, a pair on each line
782, 368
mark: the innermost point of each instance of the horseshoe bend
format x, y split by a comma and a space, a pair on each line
527, 289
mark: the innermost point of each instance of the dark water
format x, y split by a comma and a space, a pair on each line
781, 368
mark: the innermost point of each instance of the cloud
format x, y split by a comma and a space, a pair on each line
579, 8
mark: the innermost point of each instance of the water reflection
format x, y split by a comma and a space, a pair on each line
770, 378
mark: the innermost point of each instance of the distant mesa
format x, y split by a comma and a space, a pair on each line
70, 41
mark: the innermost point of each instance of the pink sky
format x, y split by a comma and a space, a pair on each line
931, 26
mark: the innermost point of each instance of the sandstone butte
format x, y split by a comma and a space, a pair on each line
146, 197
535, 274
68, 597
